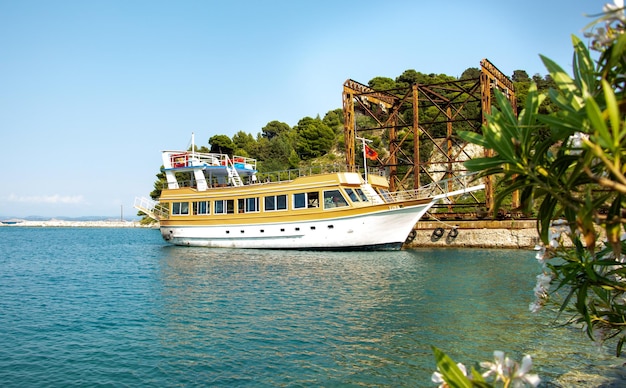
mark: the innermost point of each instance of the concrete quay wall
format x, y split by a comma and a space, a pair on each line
510, 234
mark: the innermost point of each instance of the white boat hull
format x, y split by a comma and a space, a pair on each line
381, 230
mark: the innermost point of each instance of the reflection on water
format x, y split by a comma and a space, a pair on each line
89, 307
358, 318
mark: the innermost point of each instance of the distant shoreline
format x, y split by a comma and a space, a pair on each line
76, 224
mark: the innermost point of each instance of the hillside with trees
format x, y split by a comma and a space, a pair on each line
320, 140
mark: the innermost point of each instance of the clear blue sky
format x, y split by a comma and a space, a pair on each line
92, 91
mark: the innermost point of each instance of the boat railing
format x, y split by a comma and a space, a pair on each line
152, 208
193, 159
435, 189
289, 175
276, 176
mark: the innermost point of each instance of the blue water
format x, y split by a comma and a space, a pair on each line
118, 307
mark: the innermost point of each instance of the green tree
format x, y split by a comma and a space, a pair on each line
382, 83
275, 128
410, 77
520, 76
245, 144
221, 144
159, 184
569, 164
314, 138
277, 155
471, 73
521, 83
334, 120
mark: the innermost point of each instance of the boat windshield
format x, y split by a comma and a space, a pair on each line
334, 198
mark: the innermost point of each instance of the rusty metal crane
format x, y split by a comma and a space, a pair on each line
399, 116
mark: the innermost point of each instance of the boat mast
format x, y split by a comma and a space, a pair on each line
363, 141
193, 145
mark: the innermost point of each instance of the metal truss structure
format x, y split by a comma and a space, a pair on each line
419, 123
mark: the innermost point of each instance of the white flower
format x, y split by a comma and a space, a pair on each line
614, 12
521, 376
617, 5
614, 23
541, 292
508, 371
535, 306
543, 285
541, 254
496, 367
437, 377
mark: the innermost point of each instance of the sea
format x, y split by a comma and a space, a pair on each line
108, 307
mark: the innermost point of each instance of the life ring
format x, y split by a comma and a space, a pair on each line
453, 232
438, 232
410, 237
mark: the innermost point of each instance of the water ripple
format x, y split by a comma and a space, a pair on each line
94, 307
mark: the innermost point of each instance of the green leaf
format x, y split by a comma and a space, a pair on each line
564, 82
613, 113
452, 375
584, 70
479, 164
617, 51
604, 138
473, 137
545, 217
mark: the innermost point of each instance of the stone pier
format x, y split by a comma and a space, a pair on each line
511, 234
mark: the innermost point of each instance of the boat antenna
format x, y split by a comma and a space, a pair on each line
363, 141
193, 145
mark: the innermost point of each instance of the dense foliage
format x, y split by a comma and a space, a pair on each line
570, 163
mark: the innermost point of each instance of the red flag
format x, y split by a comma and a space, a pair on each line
370, 153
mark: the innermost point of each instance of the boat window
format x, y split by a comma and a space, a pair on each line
352, 195
281, 202
313, 199
180, 208
306, 200
299, 201
362, 195
201, 207
252, 204
275, 202
248, 205
224, 206
333, 198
